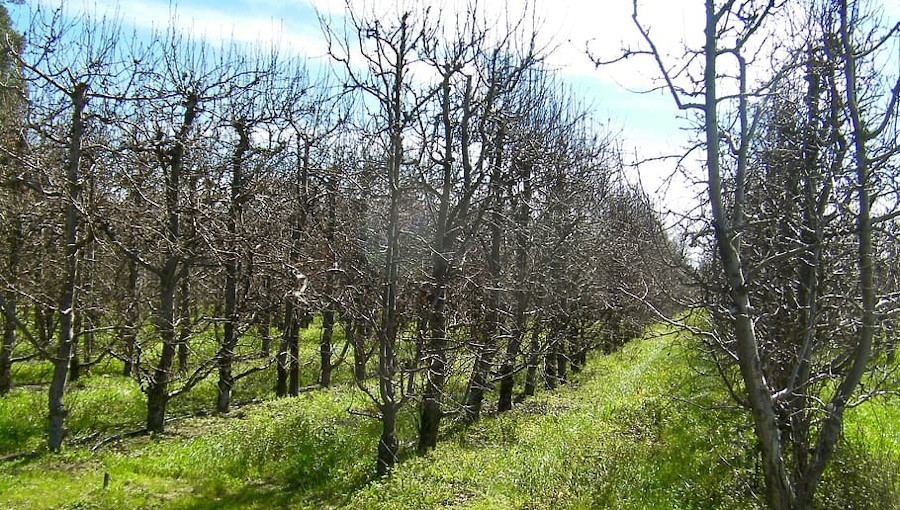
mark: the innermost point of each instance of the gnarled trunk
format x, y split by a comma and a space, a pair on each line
158, 386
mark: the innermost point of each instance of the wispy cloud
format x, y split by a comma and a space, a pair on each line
230, 20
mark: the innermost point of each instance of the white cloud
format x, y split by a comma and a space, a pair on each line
250, 22
570, 26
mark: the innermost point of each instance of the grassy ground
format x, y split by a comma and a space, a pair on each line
637, 429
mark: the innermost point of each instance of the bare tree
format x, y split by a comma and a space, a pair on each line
73, 69
253, 85
796, 375
179, 79
388, 48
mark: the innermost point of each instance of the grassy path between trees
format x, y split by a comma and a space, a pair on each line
641, 428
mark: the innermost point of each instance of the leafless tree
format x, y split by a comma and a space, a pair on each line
74, 72
179, 80
387, 49
796, 372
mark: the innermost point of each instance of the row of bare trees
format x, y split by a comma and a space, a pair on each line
515, 246
439, 198
801, 160
451, 212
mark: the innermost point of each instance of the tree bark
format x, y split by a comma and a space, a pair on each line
9, 343
388, 444
354, 333
534, 355
158, 387
435, 359
130, 326
436, 348
779, 494
325, 347
550, 359
862, 352
265, 333
523, 220
74, 361
289, 338
10, 311
67, 301
232, 270
171, 274
487, 348
294, 357
184, 321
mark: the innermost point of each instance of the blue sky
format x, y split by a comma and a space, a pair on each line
649, 123
294, 24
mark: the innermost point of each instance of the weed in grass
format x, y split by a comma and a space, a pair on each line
22, 423
104, 402
31, 373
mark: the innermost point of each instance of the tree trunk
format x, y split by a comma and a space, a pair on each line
435, 359
294, 358
436, 349
88, 342
58, 411
74, 361
9, 343
507, 369
87, 321
229, 342
184, 321
130, 326
232, 269
479, 382
779, 493
290, 336
534, 357
577, 350
507, 384
10, 311
158, 387
562, 358
861, 354
523, 297
264, 325
325, 347
388, 445
487, 349
173, 273
67, 301
550, 359
355, 335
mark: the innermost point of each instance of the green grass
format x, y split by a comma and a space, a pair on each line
619, 438
636, 429
104, 401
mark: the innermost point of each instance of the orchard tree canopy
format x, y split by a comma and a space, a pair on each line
430, 214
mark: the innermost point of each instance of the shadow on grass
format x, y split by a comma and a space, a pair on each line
269, 493
260, 496
248, 496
